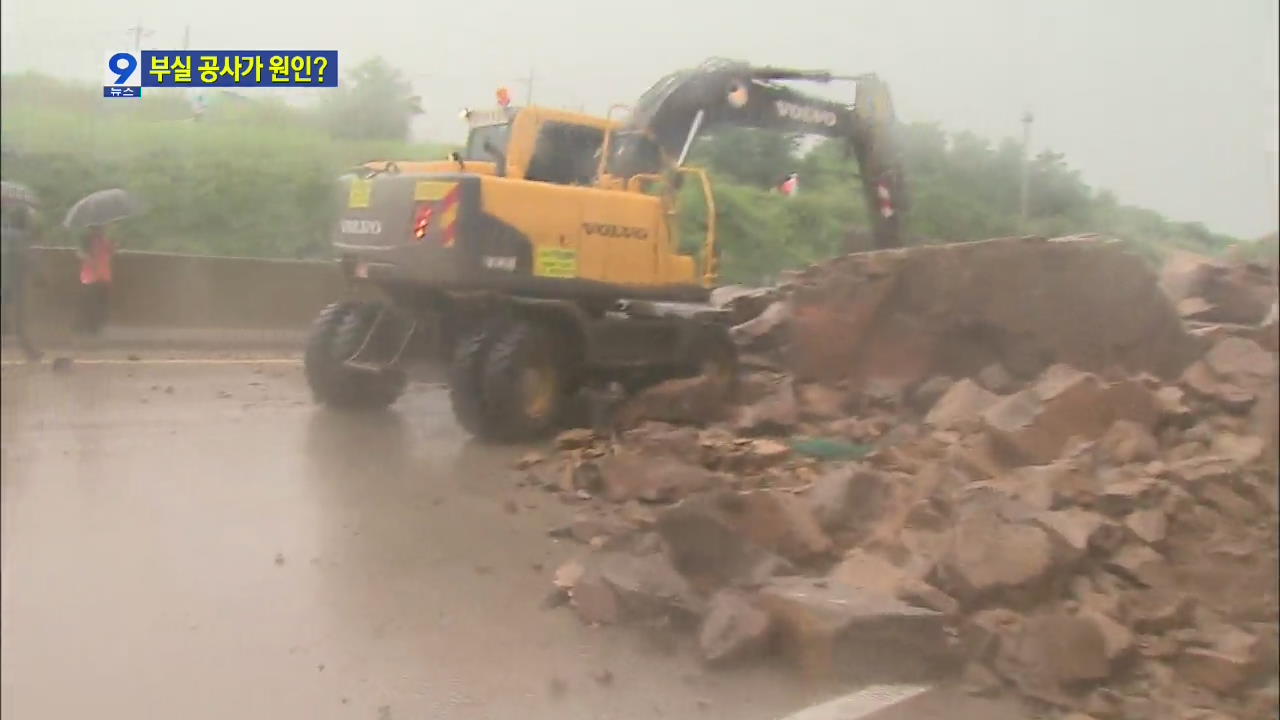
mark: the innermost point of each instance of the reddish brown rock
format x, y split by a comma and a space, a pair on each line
1242, 449
764, 327
705, 546
822, 402
733, 628
985, 632
827, 628
962, 405
766, 453
1142, 565
1215, 670
575, 438
1118, 639
997, 379
1035, 425
906, 315
1052, 651
658, 438
1150, 525
1128, 442
1170, 400
849, 497
776, 412
1157, 611
986, 555
1075, 530
694, 400
1229, 502
627, 475
927, 393
777, 521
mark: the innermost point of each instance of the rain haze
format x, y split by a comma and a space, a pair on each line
1172, 105
452, 393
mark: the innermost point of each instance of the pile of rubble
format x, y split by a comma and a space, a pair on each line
1062, 513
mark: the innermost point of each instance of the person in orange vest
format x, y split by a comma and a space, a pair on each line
96, 253
790, 185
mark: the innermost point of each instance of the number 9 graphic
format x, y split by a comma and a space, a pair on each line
123, 65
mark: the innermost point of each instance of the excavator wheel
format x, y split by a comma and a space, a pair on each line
466, 391
336, 335
524, 382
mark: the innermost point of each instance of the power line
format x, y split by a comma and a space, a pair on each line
138, 32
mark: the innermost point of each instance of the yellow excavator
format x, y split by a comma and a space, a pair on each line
544, 257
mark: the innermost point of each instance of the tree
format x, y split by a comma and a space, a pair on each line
760, 158
375, 103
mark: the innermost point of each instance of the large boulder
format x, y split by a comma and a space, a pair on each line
898, 317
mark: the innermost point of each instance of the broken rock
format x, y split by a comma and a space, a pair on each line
1142, 565
1076, 531
733, 628
927, 393
1036, 424
777, 412
1128, 442
962, 405
1215, 670
760, 329
777, 521
1158, 611
628, 475
996, 379
1150, 526
1118, 639
849, 496
821, 402
619, 585
705, 547
987, 555
575, 438
1051, 652
695, 400
827, 628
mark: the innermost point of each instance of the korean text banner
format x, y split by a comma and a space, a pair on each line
239, 68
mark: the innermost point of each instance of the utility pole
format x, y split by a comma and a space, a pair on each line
1026, 170
186, 38
138, 32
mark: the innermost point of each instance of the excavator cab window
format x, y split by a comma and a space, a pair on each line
488, 143
566, 154
632, 153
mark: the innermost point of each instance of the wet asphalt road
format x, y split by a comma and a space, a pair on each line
228, 550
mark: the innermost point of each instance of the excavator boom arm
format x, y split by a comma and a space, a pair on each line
722, 92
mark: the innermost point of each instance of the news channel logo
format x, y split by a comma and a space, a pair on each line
125, 74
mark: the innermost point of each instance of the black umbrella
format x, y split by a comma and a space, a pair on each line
101, 208
12, 193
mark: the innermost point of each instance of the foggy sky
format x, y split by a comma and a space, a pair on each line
1170, 103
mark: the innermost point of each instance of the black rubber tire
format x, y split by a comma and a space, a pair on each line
466, 388
336, 334
520, 345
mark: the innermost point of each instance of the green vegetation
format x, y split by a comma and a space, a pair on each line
249, 177
962, 188
253, 176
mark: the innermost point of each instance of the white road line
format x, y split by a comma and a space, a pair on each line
860, 704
